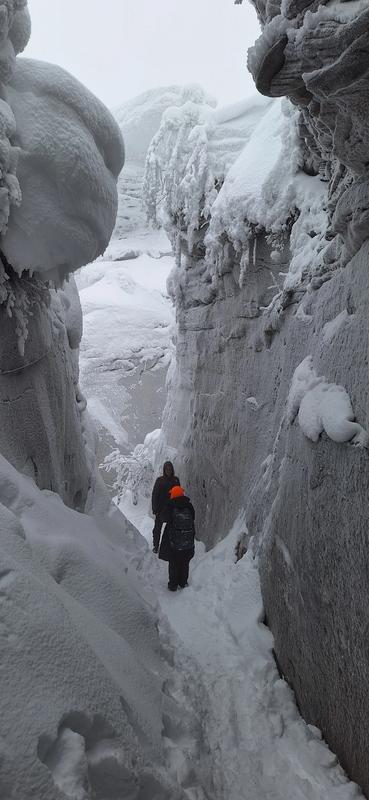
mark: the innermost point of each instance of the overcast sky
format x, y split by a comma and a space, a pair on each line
119, 48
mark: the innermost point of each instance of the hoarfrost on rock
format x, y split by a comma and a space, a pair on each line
69, 197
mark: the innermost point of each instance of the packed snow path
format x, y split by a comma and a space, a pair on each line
251, 741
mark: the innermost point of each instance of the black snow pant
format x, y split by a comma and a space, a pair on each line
159, 522
179, 564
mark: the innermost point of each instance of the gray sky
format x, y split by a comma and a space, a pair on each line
119, 48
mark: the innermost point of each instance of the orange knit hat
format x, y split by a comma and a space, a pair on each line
177, 491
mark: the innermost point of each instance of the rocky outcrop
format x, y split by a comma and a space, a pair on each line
275, 269
60, 155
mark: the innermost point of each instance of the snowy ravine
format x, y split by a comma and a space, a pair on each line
126, 345
128, 316
112, 687
271, 239
115, 688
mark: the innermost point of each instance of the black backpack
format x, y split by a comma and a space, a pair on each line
182, 529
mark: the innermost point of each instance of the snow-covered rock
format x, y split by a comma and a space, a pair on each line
15, 30
322, 406
69, 196
60, 155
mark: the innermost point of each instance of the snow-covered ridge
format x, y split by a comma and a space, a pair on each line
188, 161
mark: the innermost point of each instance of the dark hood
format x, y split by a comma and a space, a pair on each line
168, 464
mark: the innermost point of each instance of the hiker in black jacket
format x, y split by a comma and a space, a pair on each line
160, 500
178, 542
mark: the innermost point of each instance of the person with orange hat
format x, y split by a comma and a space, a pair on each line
178, 542
160, 500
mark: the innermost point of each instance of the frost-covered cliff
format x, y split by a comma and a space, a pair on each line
268, 399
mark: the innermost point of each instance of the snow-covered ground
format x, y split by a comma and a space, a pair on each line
128, 690
253, 743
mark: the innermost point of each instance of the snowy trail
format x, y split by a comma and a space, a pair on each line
253, 743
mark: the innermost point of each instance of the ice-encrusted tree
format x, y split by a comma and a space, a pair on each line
179, 185
134, 472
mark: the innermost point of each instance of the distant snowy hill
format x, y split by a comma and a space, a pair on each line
140, 118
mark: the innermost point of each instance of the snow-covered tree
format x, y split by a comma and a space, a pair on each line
134, 472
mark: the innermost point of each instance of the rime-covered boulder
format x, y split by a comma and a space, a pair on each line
269, 391
60, 155
70, 154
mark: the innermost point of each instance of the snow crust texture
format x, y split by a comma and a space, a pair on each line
271, 290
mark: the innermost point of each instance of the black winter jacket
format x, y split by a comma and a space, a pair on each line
160, 493
165, 551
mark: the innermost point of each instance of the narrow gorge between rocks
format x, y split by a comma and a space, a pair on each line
187, 280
